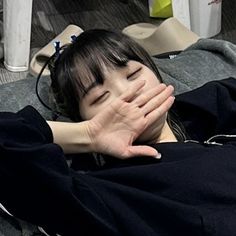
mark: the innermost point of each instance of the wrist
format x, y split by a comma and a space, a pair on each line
72, 137
92, 133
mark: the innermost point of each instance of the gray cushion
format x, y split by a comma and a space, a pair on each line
18, 94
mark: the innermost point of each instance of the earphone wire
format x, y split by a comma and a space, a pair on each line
55, 114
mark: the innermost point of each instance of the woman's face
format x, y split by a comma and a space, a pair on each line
116, 82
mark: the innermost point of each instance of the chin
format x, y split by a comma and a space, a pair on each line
150, 135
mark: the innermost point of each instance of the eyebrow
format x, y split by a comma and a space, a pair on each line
89, 88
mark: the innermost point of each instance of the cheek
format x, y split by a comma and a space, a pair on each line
151, 81
85, 110
88, 112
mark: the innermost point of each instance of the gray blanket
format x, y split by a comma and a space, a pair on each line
204, 61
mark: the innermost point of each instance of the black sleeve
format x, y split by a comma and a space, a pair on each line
23, 128
208, 110
38, 186
28, 162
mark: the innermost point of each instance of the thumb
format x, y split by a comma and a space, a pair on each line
143, 151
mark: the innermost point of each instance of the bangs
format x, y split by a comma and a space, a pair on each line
91, 62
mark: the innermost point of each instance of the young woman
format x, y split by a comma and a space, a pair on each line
91, 73
189, 191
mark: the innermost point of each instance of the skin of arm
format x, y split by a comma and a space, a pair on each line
114, 130
72, 137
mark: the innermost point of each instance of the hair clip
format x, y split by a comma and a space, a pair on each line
73, 38
57, 47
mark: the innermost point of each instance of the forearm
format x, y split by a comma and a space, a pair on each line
72, 137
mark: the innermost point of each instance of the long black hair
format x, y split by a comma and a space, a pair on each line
83, 61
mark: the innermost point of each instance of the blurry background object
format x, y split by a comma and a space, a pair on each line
17, 34
160, 8
205, 17
50, 17
169, 36
180, 10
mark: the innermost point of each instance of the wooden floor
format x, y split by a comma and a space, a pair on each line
50, 17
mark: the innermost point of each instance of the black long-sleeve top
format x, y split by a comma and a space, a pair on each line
190, 191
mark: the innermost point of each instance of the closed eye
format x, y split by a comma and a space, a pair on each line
134, 74
100, 98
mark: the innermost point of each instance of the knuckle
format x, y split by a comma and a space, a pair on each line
158, 112
144, 97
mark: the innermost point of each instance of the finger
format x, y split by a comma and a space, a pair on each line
145, 97
156, 101
132, 91
160, 111
142, 150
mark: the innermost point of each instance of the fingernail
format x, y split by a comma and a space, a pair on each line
158, 156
